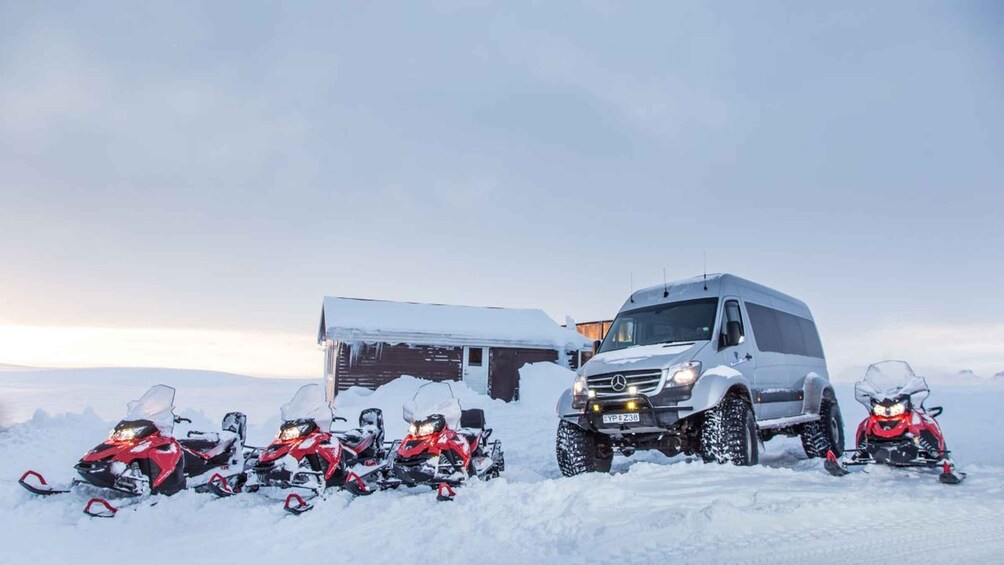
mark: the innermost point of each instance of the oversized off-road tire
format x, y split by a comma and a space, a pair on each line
581, 451
825, 434
729, 433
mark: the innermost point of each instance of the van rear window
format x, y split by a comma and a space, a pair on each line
780, 332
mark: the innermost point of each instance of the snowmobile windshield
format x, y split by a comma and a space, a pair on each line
433, 398
156, 406
308, 404
676, 322
890, 380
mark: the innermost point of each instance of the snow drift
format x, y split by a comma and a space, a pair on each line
651, 508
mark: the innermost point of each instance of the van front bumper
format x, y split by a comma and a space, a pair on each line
651, 418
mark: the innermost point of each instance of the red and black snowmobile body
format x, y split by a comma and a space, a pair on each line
306, 458
898, 431
445, 446
141, 456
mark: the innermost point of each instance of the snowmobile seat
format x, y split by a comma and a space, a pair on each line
473, 418
208, 443
353, 438
371, 417
237, 423
471, 435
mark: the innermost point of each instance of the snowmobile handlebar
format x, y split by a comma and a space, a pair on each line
179, 419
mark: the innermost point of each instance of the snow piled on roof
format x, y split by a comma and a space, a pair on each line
354, 319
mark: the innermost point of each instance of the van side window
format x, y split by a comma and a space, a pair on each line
732, 314
781, 332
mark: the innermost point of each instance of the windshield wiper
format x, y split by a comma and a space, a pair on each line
676, 342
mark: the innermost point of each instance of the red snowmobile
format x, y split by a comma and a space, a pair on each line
898, 431
141, 456
307, 458
445, 446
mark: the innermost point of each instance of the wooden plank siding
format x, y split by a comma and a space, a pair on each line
594, 330
504, 365
374, 365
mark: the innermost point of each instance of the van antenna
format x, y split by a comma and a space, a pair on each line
705, 270
631, 298
665, 291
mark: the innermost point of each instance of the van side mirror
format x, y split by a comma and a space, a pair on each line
733, 333
596, 346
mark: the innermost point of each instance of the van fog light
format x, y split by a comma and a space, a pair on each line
632, 405
596, 407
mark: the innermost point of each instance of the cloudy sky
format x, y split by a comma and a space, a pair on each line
181, 183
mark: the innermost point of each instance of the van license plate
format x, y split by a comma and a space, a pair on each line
620, 418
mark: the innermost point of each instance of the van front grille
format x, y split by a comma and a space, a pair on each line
611, 385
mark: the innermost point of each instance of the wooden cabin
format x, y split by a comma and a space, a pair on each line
371, 342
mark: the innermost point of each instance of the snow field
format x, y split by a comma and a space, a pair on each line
650, 509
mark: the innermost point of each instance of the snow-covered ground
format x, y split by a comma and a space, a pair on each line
651, 509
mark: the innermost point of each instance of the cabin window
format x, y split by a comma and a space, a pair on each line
474, 356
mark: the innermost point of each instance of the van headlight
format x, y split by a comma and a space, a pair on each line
684, 374
580, 392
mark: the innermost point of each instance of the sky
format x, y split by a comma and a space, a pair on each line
181, 183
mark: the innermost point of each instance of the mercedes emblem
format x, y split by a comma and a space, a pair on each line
618, 383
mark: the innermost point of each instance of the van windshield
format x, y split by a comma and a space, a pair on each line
692, 320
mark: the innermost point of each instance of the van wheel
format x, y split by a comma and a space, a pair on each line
581, 451
825, 434
729, 434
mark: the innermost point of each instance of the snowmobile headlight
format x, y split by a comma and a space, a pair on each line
580, 391
684, 374
427, 427
131, 431
293, 430
890, 410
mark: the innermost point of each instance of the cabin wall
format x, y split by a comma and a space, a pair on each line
504, 365
594, 330
370, 365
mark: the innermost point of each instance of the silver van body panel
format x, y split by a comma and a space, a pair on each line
779, 385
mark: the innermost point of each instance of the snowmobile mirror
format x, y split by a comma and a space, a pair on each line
596, 346
733, 333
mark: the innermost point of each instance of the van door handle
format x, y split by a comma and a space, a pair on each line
749, 357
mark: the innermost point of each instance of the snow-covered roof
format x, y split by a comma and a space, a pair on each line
356, 319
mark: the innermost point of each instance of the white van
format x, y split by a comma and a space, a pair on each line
708, 365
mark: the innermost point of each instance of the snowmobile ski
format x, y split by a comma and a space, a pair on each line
833, 465
296, 505
355, 485
100, 508
41, 487
949, 476
218, 485
444, 493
